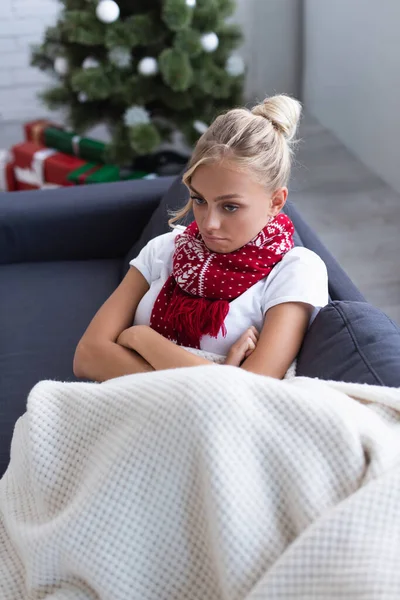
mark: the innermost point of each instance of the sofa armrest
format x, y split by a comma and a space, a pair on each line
76, 223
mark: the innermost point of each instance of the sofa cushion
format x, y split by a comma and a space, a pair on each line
353, 342
43, 314
175, 198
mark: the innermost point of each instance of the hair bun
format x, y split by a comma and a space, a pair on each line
283, 112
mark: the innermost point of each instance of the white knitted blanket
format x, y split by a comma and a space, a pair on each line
208, 483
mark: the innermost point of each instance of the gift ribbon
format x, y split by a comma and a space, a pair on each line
76, 140
31, 178
82, 178
5, 158
37, 130
38, 161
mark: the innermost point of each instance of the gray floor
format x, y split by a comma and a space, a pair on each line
354, 212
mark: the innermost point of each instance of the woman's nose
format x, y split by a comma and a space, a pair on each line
211, 221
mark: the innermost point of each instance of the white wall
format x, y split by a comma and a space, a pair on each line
22, 23
352, 77
271, 49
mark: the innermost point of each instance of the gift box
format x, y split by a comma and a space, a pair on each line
34, 130
23, 186
70, 143
47, 166
7, 175
94, 173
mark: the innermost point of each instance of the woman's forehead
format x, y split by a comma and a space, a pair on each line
217, 179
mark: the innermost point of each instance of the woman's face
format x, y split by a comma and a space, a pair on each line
230, 207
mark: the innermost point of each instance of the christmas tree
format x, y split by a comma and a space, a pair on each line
145, 68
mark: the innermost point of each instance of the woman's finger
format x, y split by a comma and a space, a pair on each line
252, 336
251, 345
250, 351
250, 333
255, 331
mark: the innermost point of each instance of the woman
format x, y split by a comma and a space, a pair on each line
231, 274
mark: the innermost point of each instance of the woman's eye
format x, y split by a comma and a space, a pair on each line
230, 208
197, 200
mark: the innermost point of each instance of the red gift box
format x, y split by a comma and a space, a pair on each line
34, 130
22, 186
36, 165
7, 176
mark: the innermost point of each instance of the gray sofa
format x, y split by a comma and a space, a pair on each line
62, 253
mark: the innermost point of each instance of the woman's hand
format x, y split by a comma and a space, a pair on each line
242, 349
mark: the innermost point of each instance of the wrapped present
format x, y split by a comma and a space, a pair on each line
70, 143
26, 181
24, 187
94, 173
46, 164
34, 130
7, 175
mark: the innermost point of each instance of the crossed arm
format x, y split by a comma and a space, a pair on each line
111, 347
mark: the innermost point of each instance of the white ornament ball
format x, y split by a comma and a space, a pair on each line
191, 3
120, 57
107, 11
209, 41
136, 115
82, 97
90, 63
148, 66
235, 65
61, 65
200, 126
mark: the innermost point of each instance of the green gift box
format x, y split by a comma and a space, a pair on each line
70, 143
94, 173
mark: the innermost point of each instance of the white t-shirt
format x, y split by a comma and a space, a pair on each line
300, 276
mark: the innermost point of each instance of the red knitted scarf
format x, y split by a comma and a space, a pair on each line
194, 301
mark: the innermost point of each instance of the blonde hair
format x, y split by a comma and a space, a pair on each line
260, 140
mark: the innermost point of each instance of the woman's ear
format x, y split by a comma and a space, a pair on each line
278, 200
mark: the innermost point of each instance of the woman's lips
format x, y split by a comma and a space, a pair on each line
211, 238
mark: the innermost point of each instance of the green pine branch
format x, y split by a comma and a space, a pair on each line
190, 85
